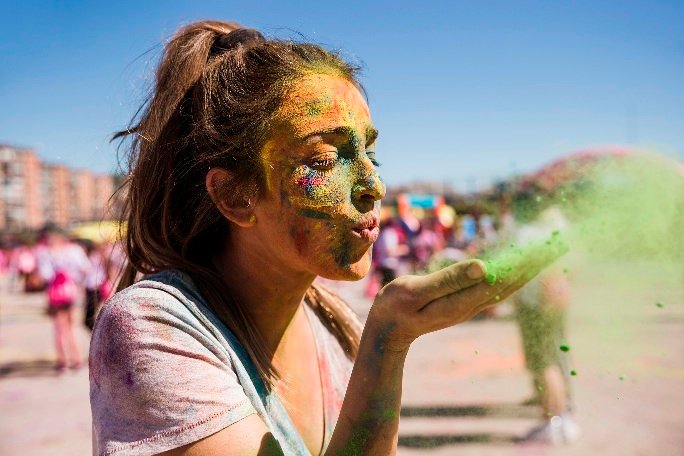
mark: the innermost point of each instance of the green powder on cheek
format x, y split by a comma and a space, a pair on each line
342, 252
573, 373
311, 213
660, 304
564, 347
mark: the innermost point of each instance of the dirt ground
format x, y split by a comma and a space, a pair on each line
464, 388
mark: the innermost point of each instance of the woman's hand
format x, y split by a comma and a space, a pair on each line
411, 306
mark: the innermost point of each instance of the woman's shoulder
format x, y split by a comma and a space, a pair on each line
158, 370
157, 306
155, 326
161, 292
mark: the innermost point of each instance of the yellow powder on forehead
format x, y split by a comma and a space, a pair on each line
318, 99
314, 102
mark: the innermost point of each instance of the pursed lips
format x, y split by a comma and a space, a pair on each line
367, 228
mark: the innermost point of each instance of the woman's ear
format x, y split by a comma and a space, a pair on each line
237, 210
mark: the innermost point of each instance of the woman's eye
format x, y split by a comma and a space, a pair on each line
324, 162
371, 156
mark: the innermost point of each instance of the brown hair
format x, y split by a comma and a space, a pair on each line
217, 87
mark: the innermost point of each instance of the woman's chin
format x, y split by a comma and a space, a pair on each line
350, 272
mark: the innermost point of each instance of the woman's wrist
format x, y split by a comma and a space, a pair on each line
384, 334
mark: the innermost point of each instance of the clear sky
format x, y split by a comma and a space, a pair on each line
462, 92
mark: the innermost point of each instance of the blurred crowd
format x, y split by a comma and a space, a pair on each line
422, 234
69, 271
24, 263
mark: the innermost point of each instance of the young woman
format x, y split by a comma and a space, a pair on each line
62, 265
252, 172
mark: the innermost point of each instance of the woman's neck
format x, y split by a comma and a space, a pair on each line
271, 293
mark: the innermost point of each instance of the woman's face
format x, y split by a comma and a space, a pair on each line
320, 207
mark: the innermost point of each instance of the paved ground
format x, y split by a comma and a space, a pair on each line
463, 388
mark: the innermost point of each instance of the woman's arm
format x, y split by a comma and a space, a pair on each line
405, 309
247, 437
369, 419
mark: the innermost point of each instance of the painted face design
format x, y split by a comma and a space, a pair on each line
321, 173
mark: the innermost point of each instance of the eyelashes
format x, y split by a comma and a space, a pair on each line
371, 156
328, 162
323, 164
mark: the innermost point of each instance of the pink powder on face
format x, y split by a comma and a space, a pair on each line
309, 181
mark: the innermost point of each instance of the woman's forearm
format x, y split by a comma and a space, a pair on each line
369, 420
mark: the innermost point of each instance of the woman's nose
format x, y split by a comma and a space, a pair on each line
369, 187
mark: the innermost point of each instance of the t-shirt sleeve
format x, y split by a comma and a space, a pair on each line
158, 378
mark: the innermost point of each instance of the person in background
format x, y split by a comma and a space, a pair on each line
98, 285
468, 227
4, 266
486, 232
456, 243
389, 250
541, 307
425, 243
63, 265
115, 259
24, 264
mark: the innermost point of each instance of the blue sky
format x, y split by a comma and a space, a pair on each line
462, 92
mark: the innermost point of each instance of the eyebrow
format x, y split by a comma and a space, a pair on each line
371, 133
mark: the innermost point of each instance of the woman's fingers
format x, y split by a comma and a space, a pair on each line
462, 305
455, 294
449, 280
526, 261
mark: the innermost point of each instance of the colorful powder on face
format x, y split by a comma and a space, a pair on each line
342, 252
564, 347
310, 181
660, 304
573, 373
314, 214
622, 378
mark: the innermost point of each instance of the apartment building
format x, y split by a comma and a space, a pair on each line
33, 193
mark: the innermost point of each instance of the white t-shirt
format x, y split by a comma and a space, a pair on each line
165, 372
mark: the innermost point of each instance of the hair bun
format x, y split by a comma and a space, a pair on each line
232, 40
